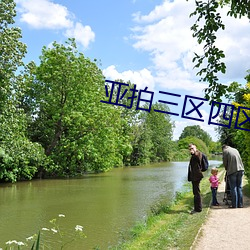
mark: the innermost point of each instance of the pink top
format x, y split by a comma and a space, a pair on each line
214, 181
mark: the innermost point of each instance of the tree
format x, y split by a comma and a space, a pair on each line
19, 157
239, 138
208, 23
141, 144
183, 144
179, 154
12, 50
196, 131
78, 132
149, 133
151, 136
242, 136
132, 128
161, 131
215, 147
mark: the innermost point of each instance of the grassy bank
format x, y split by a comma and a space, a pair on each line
170, 227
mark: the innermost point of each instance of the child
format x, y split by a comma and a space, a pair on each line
214, 185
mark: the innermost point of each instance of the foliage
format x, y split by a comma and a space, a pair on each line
12, 50
205, 28
179, 154
170, 226
77, 131
236, 137
141, 145
201, 146
148, 133
132, 134
196, 131
54, 237
215, 147
20, 158
151, 140
160, 129
52, 121
242, 137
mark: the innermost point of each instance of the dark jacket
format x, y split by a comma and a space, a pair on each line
194, 168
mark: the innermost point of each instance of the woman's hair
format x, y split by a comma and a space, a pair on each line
214, 170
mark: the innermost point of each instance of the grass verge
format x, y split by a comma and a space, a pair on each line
170, 226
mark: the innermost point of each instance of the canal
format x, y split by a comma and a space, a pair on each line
105, 204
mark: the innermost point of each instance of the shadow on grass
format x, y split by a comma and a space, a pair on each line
181, 204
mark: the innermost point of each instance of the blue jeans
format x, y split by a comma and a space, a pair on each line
235, 182
214, 196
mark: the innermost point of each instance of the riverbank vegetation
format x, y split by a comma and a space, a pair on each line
55, 236
53, 123
170, 226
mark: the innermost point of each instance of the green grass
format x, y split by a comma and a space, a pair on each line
246, 188
170, 226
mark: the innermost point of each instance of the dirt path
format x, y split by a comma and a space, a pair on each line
225, 228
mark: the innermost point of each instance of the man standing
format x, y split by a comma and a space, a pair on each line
235, 170
195, 175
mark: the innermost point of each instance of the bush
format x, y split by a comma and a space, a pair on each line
20, 159
201, 146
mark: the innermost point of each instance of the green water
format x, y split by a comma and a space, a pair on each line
104, 204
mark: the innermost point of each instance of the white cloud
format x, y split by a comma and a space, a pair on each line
44, 14
159, 12
234, 41
141, 78
83, 34
177, 79
165, 34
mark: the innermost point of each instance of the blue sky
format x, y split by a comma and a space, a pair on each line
148, 42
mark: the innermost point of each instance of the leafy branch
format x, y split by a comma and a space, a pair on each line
205, 28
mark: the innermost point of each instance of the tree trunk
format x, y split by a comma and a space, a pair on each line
56, 139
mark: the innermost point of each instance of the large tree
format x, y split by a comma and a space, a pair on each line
77, 131
12, 51
19, 158
184, 142
152, 139
148, 131
208, 23
196, 131
161, 132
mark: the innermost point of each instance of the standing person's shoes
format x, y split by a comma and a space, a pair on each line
240, 205
194, 212
216, 204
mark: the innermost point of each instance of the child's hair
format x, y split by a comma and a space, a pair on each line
214, 170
